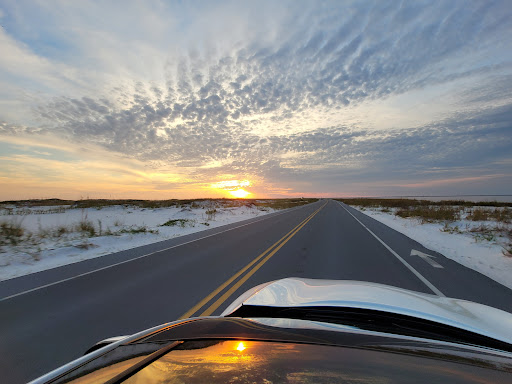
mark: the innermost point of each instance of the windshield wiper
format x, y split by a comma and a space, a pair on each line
377, 321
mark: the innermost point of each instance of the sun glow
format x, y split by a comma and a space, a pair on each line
240, 193
240, 347
235, 188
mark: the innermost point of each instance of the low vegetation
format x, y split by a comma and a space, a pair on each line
210, 214
490, 219
282, 203
508, 247
32, 236
26, 206
11, 232
429, 214
499, 215
135, 230
183, 223
85, 226
408, 203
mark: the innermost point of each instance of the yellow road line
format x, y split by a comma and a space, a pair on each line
228, 293
199, 305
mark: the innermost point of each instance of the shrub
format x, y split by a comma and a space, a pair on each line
502, 215
137, 229
60, 231
178, 222
478, 214
108, 232
507, 249
484, 232
210, 214
446, 228
430, 214
277, 203
11, 232
86, 227
403, 203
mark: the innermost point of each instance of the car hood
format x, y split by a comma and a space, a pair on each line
298, 292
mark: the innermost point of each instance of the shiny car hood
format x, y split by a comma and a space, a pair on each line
298, 292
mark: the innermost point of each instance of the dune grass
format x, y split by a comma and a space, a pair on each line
61, 205
407, 203
11, 232
179, 223
14, 234
429, 214
495, 217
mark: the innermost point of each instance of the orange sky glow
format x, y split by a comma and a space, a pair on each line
246, 100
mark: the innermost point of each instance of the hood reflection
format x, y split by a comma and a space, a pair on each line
235, 361
241, 346
203, 361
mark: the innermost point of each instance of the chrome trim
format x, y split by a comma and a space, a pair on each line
65, 369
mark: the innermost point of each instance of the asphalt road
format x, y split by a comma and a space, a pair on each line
52, 317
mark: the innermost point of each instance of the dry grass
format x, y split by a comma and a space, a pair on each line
507, 250
152, 204
431, 211
135, 230
283, 203
503, 215
430, 214
179, 223
478, 215
407, 203
86, 227
11, 232
485, 232
495, 229
210, 214
37, 202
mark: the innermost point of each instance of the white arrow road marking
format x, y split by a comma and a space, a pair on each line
428, 258
407, 265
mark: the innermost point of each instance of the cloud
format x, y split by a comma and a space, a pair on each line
272, 92
231, 185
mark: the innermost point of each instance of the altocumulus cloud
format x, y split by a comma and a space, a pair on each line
293, 95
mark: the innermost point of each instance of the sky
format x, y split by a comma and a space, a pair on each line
263, 99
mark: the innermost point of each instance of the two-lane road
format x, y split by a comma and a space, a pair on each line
50, 318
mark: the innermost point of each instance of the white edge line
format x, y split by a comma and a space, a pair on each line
418, 275
146, 255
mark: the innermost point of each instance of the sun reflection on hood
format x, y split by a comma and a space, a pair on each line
240, 361
206, 360
240, 347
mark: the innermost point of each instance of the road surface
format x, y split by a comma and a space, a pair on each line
52, 317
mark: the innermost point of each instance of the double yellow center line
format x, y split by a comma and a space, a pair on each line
263, 258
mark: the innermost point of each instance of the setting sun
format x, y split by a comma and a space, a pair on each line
233, 187
240, 193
